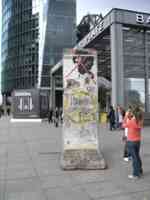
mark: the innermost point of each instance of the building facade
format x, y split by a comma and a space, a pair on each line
122, 41
34, 33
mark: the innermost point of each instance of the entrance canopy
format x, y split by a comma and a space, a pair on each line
122, 41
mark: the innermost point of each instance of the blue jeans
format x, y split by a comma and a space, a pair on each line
134, 150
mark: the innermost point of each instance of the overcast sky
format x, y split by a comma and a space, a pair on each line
104, 6
0, 42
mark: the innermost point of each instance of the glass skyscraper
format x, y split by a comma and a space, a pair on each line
34, 34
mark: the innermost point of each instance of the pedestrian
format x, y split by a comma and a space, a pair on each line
111, 117
8, 111
61, 115
56, 117
134, 126
50, 115
117, 116
0, 111
126, 154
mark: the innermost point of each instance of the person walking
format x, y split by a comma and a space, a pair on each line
61, 115
8, 111
134, 126
56, 117
50, 115
120, 113
111, 117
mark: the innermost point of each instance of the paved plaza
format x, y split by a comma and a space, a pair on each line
30, 166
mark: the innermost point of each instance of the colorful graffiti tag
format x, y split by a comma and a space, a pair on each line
80, 99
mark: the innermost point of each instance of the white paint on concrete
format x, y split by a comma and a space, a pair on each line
13, 120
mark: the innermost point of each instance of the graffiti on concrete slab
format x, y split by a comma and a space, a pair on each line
80, 99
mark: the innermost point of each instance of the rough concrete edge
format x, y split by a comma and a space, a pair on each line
101, 164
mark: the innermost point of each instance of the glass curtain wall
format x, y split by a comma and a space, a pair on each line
104, 70
19, 44
60, 34
148, 63
136, 48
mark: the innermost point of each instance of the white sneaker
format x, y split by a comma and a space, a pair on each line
126, 159
133, 177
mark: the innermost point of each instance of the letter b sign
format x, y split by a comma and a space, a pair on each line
140, 18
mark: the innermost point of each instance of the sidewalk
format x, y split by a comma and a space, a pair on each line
30, 167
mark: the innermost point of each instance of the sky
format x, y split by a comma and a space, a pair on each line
102, 6
0, 42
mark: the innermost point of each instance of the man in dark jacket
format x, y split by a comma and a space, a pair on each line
50, 115
56, 117
111, 117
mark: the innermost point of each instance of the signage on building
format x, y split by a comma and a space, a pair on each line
25, 101
25, 104
140, 18
91, 35
18, 94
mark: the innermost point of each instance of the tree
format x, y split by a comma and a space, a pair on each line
82, 30
133, 98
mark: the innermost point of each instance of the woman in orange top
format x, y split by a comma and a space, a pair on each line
126, 154
134, 126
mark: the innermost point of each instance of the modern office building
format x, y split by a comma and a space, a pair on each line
122, 41
34, 33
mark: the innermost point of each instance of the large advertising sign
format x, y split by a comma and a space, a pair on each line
29, 103
80, 99
25, 104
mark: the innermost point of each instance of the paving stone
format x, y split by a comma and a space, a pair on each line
24, 173
21, 164
102, 189
2, 189
144, 195
67, 193
54, 181
48, 168
83, 177
2, 173
25, 195
116, 197
44, 147
23, 185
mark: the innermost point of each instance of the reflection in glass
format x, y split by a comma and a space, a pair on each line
19, 45
59, 34
134, 68
135, 92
